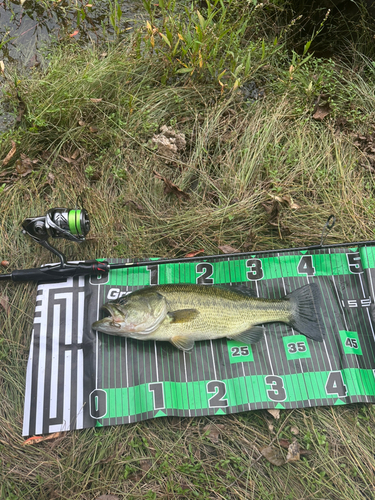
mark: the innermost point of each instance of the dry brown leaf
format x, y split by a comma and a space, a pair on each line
50, 178
273, 455
284, 443
24, 165
213, 431
68, 160
107, 497
4, 303
321, 112
93, 129
10, 154
285, 200
289, 200
275, 413
228, 249
75, 154
193, 254
134, 204
172, 188
23, 169
293, 451
38, 439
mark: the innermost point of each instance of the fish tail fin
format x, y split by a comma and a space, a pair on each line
305, 305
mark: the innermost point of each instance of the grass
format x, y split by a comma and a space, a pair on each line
89, 118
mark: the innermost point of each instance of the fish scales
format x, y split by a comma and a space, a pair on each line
183, 314
222, 312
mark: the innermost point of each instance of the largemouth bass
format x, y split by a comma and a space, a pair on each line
183, 314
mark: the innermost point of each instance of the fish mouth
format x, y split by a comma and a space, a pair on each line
109, 322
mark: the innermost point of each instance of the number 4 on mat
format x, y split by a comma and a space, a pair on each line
305, 266
335, 385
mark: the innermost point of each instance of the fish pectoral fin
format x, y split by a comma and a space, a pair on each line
250, 336
183, 315
182, 343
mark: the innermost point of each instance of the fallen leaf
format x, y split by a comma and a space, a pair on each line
228, 249
321, 112
5, 263
93, 130
4, 303
171, 188
10, 154
284, 443
138, 206
23, 170
50, 178
24, 165
293, 451
285, 200
275, 413
81, 123
294, 430
68, 160
107, 497
75, 154
74, 33
213, 431
273, 455
193, 254
38, 439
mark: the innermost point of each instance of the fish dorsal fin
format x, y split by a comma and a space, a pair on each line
183, 315
182, 343
250, 336
241, 289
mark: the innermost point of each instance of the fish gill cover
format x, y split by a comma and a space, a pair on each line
78, 378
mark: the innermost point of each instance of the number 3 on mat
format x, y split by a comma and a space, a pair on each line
277, 391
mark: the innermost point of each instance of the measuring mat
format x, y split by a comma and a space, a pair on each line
79, 378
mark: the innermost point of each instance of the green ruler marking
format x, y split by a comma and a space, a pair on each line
260, 389
242, 270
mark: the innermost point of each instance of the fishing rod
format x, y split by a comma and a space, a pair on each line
74, 225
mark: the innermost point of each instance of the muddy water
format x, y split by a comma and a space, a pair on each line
32, 27
28, 31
